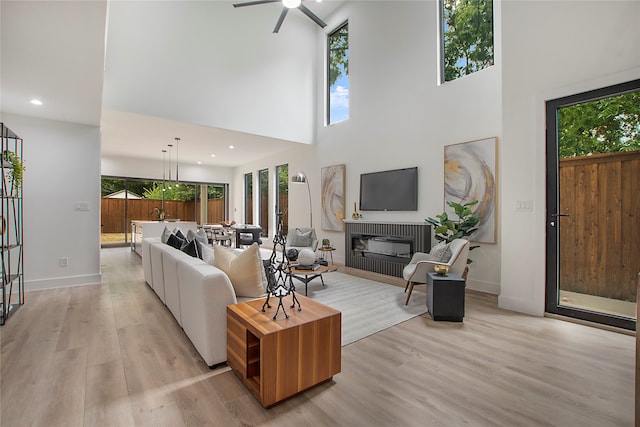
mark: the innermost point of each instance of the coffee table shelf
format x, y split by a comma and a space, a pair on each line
277, 359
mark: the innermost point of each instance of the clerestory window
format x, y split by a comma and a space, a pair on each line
338, 74
466, 36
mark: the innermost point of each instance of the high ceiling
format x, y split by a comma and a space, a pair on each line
147, 72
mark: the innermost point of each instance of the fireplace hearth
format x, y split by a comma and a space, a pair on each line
384, 247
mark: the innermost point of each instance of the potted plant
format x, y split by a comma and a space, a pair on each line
448, 229
16, 168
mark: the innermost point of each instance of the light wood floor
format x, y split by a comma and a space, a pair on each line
112, 355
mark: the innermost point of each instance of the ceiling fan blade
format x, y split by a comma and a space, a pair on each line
253, 3
312, 15
280, 19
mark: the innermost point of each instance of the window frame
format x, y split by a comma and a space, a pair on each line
263, 201
442, 79
248, 198
337, 29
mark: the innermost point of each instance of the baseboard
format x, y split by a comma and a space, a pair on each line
62, 282
483, 286
520, 305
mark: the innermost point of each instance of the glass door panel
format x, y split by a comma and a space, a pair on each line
593, 253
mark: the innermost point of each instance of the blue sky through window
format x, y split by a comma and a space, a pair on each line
339, 98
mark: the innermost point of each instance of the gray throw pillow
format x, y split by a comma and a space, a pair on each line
440, 252
300, 238
165, 235
199, 235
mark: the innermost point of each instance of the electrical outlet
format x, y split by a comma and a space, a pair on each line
81, 206
64, 261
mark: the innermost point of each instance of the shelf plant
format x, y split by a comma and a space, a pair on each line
17, 168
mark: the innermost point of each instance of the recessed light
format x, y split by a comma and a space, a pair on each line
232, 147
199, 162
36, 102
213, 155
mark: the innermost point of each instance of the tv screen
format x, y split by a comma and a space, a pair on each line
393, 190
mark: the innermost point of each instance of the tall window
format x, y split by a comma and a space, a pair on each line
466, 34
248, 198
263, 208
282, 195
338, 75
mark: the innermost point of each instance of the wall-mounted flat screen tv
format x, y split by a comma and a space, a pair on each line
392, 190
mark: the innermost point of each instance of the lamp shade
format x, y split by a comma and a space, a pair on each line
300, 177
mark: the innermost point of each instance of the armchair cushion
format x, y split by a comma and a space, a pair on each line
440, 253
301, 238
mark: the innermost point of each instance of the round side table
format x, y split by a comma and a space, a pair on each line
329, 249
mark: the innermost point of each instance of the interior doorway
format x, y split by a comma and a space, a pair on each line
593, 205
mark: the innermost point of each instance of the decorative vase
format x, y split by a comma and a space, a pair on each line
355, 214
306, 257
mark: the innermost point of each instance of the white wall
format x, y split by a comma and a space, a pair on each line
550, 50
130, 167
62, 167
400, 116
260, 83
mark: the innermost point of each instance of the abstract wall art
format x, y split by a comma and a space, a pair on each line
333, 208
470, 174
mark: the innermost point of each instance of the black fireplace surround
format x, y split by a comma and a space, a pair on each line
384, 247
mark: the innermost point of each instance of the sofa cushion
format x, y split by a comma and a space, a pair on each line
245, 270
301, 238
193, 248
175, 241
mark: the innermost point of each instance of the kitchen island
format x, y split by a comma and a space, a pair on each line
141, 229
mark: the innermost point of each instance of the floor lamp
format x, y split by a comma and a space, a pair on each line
300, 178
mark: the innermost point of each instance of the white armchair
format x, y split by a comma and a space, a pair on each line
416, 271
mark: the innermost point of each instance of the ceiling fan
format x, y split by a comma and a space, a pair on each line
286, 5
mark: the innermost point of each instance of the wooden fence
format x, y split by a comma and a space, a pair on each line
113, 212
600, 239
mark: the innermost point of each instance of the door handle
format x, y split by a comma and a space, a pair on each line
560, 214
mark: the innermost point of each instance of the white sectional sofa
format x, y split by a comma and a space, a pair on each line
196, 293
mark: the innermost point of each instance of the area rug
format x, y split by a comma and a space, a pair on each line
367, 306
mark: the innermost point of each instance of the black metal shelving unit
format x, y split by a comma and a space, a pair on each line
11, 225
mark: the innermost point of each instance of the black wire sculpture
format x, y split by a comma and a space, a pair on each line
279, 281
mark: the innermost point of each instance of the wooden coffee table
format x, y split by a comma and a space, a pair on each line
306, 275
276, 359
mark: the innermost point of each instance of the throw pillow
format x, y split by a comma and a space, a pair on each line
301, 238
193, 248
245, 270
179, 233
175, 241
207, 254
440, 252
165, 235
200, 235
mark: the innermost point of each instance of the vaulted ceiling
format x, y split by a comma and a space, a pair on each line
150, 71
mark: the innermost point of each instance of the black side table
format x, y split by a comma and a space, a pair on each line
445, 297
